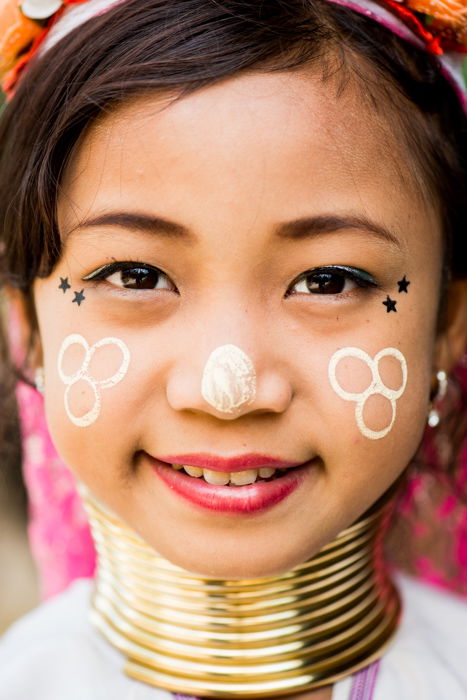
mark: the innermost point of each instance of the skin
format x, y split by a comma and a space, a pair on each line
230, 163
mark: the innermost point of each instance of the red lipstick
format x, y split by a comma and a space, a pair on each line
228, 464
249, 499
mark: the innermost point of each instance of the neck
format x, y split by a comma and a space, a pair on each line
254, 638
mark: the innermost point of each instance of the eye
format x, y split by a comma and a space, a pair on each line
130, 275
331, 280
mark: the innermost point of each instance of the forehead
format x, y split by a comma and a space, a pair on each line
262, 146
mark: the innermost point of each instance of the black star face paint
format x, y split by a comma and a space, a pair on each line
403, 285
79, 297
64, 284
390, 304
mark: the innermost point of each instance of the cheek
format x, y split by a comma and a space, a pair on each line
376, 403
357, 377
376, 416
85, 385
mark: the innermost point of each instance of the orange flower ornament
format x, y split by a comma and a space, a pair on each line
446, 19
17, 33
451, 12
23, 26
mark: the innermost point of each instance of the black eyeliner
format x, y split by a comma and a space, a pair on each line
359, 276
110, 268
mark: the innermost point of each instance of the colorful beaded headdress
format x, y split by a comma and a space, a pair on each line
439, 26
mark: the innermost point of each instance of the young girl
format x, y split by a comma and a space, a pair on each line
236, 229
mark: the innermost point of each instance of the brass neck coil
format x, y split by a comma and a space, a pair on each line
253, 638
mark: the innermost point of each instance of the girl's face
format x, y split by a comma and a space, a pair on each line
267, 214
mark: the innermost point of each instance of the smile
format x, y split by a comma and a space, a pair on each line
238, 478
237, 490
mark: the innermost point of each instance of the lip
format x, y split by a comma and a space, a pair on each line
237, 463
250, 499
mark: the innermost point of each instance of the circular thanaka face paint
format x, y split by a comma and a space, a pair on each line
83, 374
375, 387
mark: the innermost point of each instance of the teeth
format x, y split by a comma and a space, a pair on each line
216, 478
193, 471
243, 478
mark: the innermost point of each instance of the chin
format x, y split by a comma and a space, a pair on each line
230, 560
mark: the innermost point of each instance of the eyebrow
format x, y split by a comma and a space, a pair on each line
136, 222
317, 225
300, 229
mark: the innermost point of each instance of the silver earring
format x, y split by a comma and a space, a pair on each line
39, 380
433, 414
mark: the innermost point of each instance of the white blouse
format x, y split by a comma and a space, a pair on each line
54, 653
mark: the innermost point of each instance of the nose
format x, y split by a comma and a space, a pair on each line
230, 384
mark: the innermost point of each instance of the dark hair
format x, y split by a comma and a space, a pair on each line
143, 46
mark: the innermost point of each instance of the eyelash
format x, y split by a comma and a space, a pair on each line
323, 275
320, 275
103, 273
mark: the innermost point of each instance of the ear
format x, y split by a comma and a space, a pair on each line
25, 345
452, 340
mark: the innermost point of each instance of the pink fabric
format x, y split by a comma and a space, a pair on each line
59, 533
430, 535
364, 682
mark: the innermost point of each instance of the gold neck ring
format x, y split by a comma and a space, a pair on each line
254, 638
